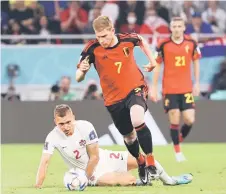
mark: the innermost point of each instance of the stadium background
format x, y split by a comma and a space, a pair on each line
38, 64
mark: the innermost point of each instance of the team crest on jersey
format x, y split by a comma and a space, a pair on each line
92, 135
82, 143
126, 51
187, 48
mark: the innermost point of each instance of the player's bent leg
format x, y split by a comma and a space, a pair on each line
116, 178
144, 135
189, 119
132, 145
174, 118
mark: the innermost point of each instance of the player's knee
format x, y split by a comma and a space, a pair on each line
137, 115
189, 120
174, 117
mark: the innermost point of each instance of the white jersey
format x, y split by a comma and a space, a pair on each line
72, 148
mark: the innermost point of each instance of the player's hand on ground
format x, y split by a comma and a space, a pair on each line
149, 67
84, 65
196, 90
154, 94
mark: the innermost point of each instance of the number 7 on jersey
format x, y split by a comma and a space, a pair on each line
119, 65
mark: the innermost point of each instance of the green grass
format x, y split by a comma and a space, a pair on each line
207, 162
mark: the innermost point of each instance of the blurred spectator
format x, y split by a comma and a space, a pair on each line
92, 92
161, 10
15, 30
219, 80
198, 26
63, 91
89, 27
23, 15
215, 16
154, 24
111, 9
11, 94
38, 10
54, 93
73, 19
98, 5
125, 7
188, 9
44, 28
131, 26
88, 5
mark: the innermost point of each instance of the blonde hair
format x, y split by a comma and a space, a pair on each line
175, 19
101, 23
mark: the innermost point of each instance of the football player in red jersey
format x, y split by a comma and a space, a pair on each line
177, 53
123, 85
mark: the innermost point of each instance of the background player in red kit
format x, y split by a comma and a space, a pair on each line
177, 53
123, 86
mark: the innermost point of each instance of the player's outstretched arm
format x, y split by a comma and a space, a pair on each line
41, 174
146, 49
83, 67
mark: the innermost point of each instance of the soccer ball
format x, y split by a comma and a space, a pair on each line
75, 181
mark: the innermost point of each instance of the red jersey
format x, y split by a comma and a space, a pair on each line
177, 60
116, 67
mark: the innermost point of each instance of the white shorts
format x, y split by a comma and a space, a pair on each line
110, 161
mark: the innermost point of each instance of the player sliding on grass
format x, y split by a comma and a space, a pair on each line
123, 85
77, 143
177, 53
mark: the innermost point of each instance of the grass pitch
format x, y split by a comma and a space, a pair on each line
207, 162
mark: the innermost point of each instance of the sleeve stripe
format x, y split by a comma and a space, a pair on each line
132, 35
89, 44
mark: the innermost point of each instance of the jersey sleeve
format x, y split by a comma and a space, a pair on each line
87, 52
196, 53
130, 37
49, 144
89, 132
136, 39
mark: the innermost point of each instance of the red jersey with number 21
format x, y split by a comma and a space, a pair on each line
177, 60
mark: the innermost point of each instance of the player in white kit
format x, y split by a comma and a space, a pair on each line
77, 143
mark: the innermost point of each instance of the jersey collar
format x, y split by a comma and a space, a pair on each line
115, 44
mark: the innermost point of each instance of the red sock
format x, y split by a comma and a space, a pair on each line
181, 139
177, 148
141, 159
150, 161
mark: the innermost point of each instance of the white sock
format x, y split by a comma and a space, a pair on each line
163, 176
